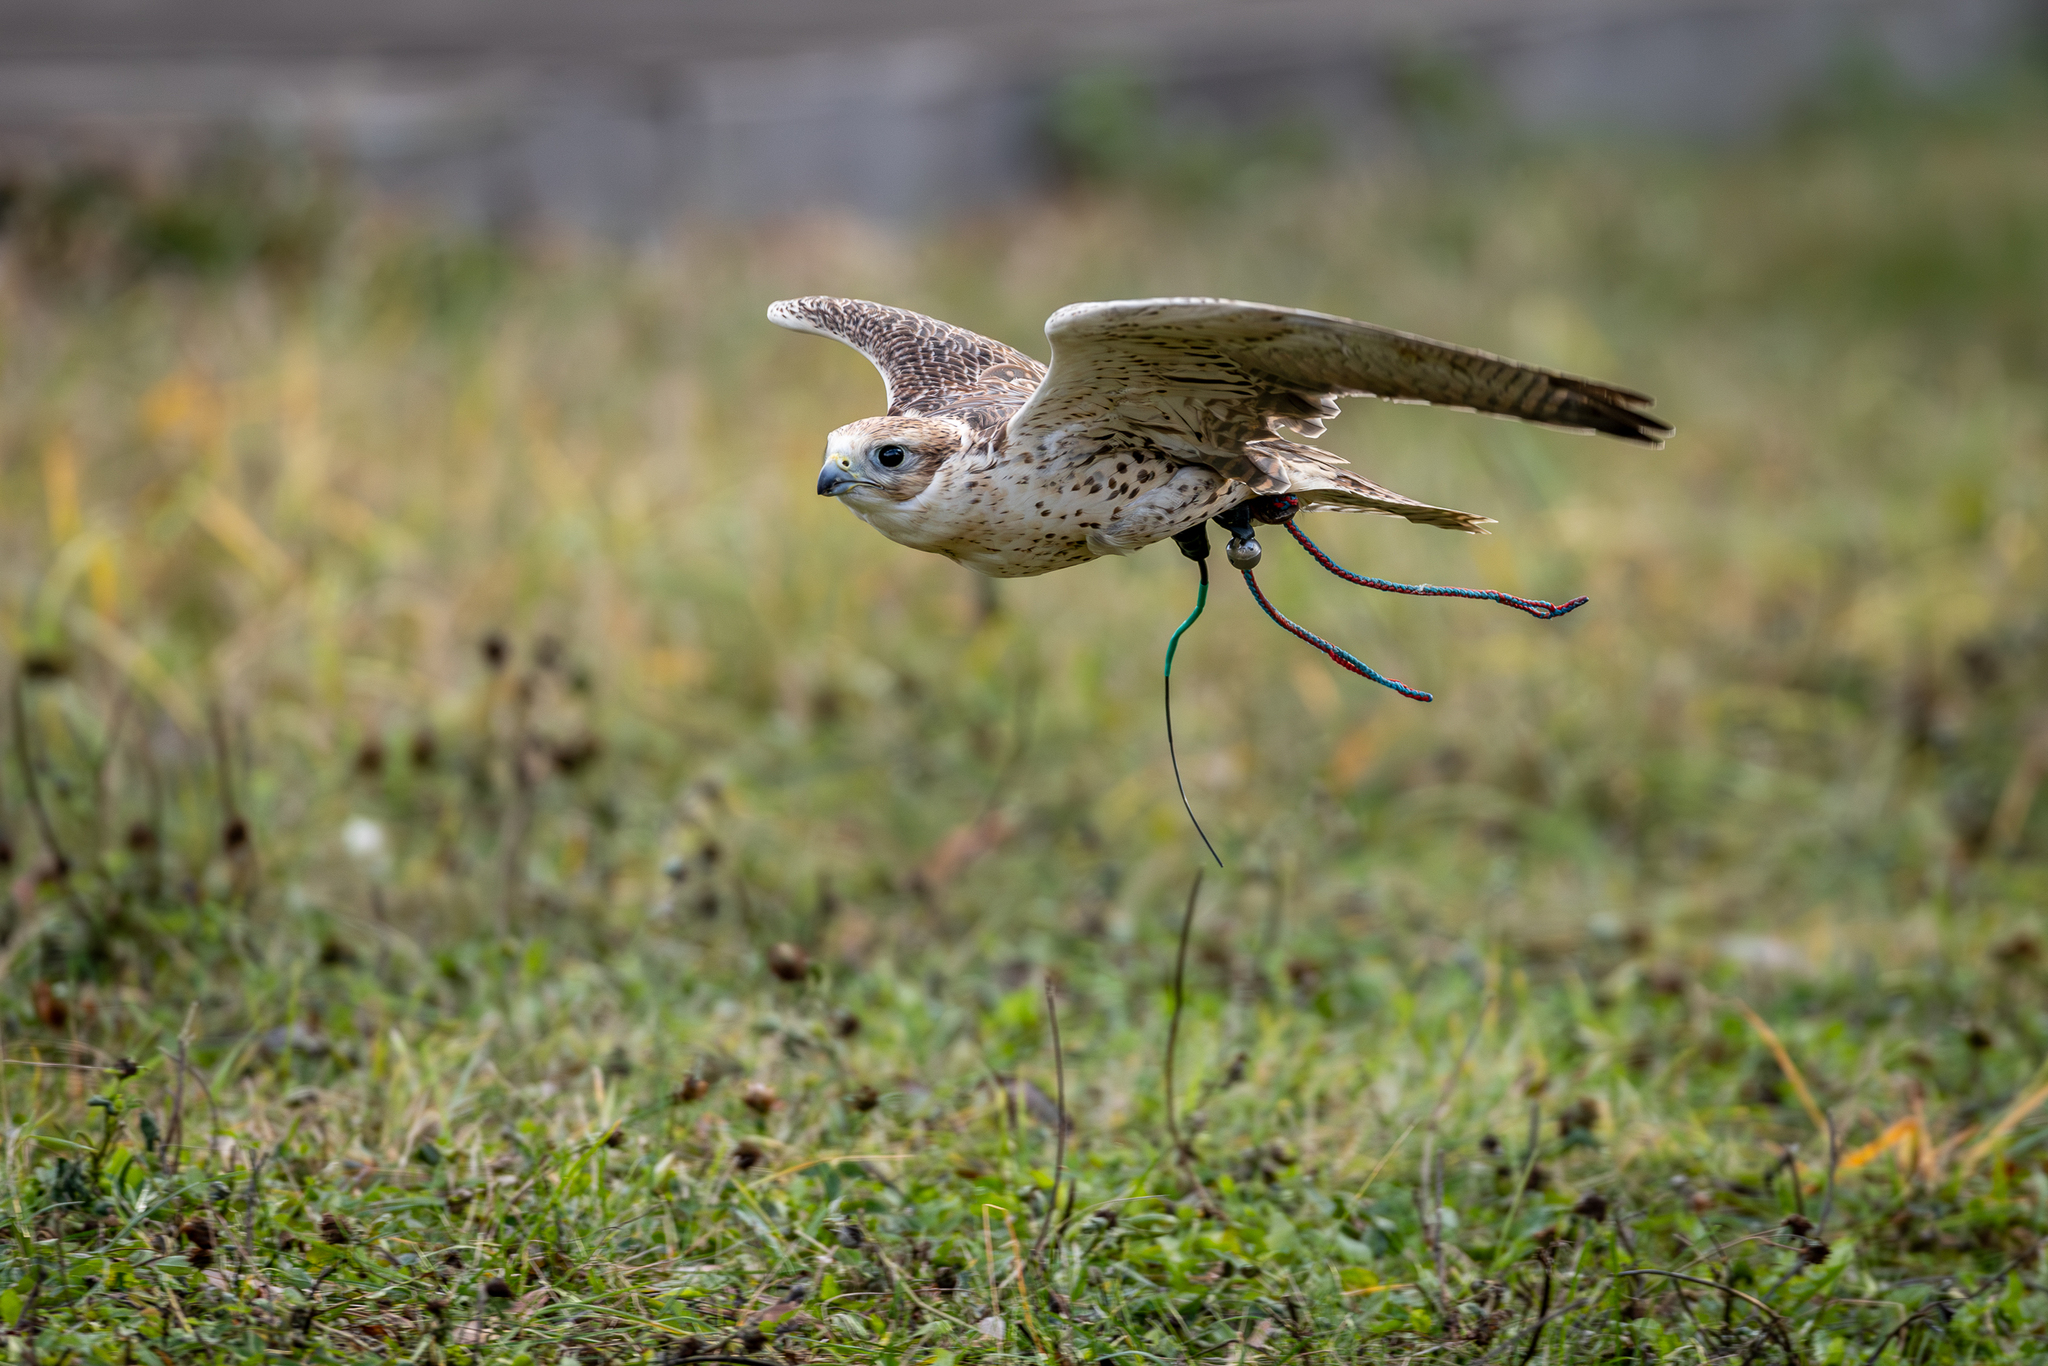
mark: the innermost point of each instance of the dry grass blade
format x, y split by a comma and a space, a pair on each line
1793, 1075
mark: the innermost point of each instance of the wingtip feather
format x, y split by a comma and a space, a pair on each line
795, 314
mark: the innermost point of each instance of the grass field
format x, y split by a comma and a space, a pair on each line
498, 871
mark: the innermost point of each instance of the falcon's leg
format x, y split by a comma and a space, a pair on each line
1243, 551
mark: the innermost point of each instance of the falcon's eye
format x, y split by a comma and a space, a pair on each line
889, 457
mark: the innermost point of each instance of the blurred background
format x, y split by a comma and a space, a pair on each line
405, 512
623, 115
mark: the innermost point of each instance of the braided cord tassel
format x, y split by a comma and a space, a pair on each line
1542, 611
1348, 660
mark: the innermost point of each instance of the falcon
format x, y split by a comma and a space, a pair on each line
1155, 417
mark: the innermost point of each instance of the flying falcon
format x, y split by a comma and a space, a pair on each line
1156, 416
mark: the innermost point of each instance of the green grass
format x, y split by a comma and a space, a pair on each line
447, 977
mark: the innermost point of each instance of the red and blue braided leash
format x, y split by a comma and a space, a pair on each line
1281, 508
1343, 657
1542, 611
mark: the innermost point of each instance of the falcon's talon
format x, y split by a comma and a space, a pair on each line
1274, 509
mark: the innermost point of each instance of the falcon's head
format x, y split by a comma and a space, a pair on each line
887, 459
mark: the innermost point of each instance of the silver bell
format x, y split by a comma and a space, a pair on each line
1244, 551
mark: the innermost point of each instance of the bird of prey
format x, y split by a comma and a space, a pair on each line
1155, 417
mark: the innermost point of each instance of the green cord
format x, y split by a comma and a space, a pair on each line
1201, 601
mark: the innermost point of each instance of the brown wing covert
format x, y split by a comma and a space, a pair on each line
1209, 377
928, 366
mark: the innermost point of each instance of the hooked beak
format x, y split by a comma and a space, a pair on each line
835, 479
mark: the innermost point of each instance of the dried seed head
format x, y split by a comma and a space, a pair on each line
789, 962
50, 1007
1592, 1205
1580, 1118
496, 650
864, 1099
370, 758
1490, 1145
759, 1097
693, 1087
1978, 1038
547, 652
424, 749
198, 1232
1814, 1253
747, 1155
615, 1139
42, 666
495, 1288
6, 851
124, 1068
1665, 980
141, 838
335, 1230
1701, 1201
2020, 949
845, 1024
1799, 1225
577, 753
234, 836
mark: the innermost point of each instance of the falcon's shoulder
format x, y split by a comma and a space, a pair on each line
928, 366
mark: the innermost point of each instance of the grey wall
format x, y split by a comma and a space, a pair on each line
621, 114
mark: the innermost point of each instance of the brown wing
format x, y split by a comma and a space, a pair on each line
1206, 378
927, 366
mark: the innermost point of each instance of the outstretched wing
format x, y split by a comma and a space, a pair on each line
1213, 381
927, 366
